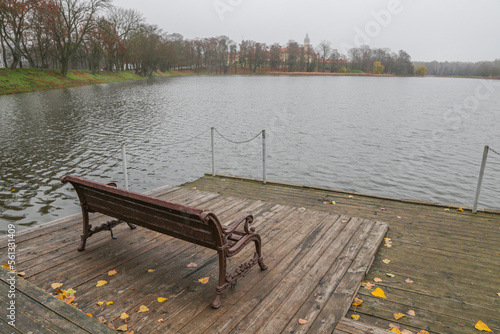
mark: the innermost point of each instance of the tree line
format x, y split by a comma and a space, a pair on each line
467, 69
94, 35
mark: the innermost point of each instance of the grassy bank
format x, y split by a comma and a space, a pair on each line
30, 80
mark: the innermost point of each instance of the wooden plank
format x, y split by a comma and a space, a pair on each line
23, 324
35, 316
339, 301
340, 251
353, 327
75, 319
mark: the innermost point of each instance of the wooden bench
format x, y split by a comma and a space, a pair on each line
197, 226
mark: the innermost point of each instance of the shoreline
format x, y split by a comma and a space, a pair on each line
32, 80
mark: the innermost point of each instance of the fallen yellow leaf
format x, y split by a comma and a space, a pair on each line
376, 279
350, 196
423, 332
333, 202
56, 285
100, 303
112, 272
303, 321
109, 303
411, 312
22, 273
355, 316
161, 320
70, 291
398, 316
390, 275
90, 315
460, 209
368, 285
204, 280
161, 299
395, 330
482, 326
357, 302
143, 308
498, 294
150, 270
122, 328
124, 316
386, 261
379, 293
101, 283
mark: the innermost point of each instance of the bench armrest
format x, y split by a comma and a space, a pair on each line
247, 218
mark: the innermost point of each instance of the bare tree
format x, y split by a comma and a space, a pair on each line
324, 50
293, 52
13, 15
70, 24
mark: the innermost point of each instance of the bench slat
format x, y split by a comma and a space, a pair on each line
177, 224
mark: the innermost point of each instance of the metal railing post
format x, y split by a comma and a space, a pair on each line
124, 160
264, 156
480, 181
213, 151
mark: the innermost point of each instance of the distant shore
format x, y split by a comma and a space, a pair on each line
31, 80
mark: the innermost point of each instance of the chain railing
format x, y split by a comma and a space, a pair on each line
213, 131
263, 133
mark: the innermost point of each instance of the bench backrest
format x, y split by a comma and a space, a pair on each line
177, 220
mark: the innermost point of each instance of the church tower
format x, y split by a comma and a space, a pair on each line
307, 43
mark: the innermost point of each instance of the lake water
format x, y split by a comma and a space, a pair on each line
419, 138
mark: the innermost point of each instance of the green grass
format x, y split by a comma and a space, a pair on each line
29, 80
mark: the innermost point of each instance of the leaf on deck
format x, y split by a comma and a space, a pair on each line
112, 272
379, 293
357, 302
56, 286
204, 280
124, 316
482, 327
122, 328
143, 308
303, 321
101, 283
355, 316
398, 316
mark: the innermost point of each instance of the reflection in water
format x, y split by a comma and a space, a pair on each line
399, 137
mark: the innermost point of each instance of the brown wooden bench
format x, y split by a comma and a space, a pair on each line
197, 226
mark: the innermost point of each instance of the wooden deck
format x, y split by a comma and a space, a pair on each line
37, 312
317, 261
452, 257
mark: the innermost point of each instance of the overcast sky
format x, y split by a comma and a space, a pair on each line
463, 30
